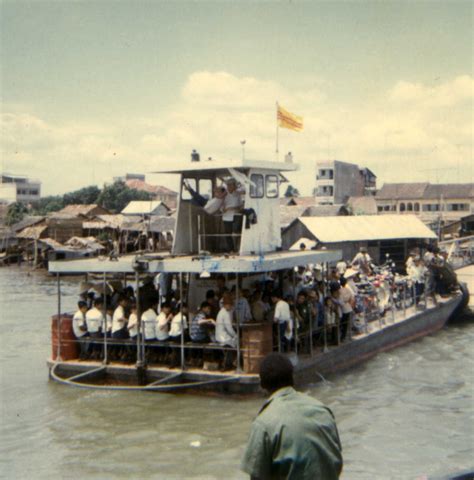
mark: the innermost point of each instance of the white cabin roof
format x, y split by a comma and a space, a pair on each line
198, 264
210, 165
142, 207
366, 228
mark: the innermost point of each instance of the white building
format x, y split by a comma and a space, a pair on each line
336, 181
18, 188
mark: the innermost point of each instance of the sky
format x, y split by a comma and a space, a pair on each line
92, 90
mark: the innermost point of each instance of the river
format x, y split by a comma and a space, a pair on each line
405, 414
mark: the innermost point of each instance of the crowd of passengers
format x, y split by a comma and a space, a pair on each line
299, 304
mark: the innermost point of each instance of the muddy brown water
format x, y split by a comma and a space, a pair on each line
405, 414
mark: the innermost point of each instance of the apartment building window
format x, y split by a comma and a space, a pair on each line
34, 192
417, 207
402, 207
409, 207
431, 207
457, 207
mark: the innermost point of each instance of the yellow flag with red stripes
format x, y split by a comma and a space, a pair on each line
289, 120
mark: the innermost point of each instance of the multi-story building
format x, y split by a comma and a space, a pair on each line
18, 188
336, 181
432, 203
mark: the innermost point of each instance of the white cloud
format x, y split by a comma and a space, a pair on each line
398, 136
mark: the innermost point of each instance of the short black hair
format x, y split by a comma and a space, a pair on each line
81, 304
205, 305
276, 371
275, 294
165, 305
98, 301
342, 281
210, 294
334, 286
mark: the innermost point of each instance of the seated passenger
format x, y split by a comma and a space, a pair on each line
95, 325
162, 322
132, 324
225, 333
243, 314
80, 329
149, 322
179, 324
119, 321
213, 301
202, 324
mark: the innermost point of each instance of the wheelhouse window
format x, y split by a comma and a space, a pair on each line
256, 186
271, 184
185, 195
205, 187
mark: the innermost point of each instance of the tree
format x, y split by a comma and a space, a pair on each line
117, 196
15, 213
83, 196
292, 192
49, 204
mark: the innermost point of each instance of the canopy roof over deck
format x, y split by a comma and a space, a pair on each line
223, 165
197, 264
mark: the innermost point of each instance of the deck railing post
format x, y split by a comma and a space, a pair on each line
139, 320
238, 323
404, 299
104, 286
58, 353
182, 320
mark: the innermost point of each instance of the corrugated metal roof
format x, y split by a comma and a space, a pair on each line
366, 227
138, 207
79, 209
362, 205
450, 190
27, 222
33, 232
393, 191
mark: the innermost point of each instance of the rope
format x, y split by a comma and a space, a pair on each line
171, 386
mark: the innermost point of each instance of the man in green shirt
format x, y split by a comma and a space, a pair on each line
294, 436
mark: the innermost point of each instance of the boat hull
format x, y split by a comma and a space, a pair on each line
308, 369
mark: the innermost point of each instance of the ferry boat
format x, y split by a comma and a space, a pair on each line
200, 257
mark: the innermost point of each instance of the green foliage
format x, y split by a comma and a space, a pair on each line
49, 204
83, 196
15, 213
292, 192
116, 197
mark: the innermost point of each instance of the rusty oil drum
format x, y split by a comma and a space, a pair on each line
69, 348
257, 344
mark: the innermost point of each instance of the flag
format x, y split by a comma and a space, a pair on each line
289, 120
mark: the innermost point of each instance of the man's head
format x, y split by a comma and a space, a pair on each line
363, 250
166, 308
343, 282
231, 185
276, 372
82, 306
220, 192
275, 296
98, 303
206, 308
301, 298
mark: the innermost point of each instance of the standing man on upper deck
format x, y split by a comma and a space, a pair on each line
232, 216
294, 436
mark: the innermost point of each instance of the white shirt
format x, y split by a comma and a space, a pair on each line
133, 325
94, 320
175, 328
225, 334
213, 205
345, 297
282, 312
232, 201
118, 320
417, 273
108, 320
149, 324
78, 321
362, 259
162, 326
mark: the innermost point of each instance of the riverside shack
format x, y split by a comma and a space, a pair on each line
392, 234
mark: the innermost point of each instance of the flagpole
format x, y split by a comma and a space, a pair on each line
276, 147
